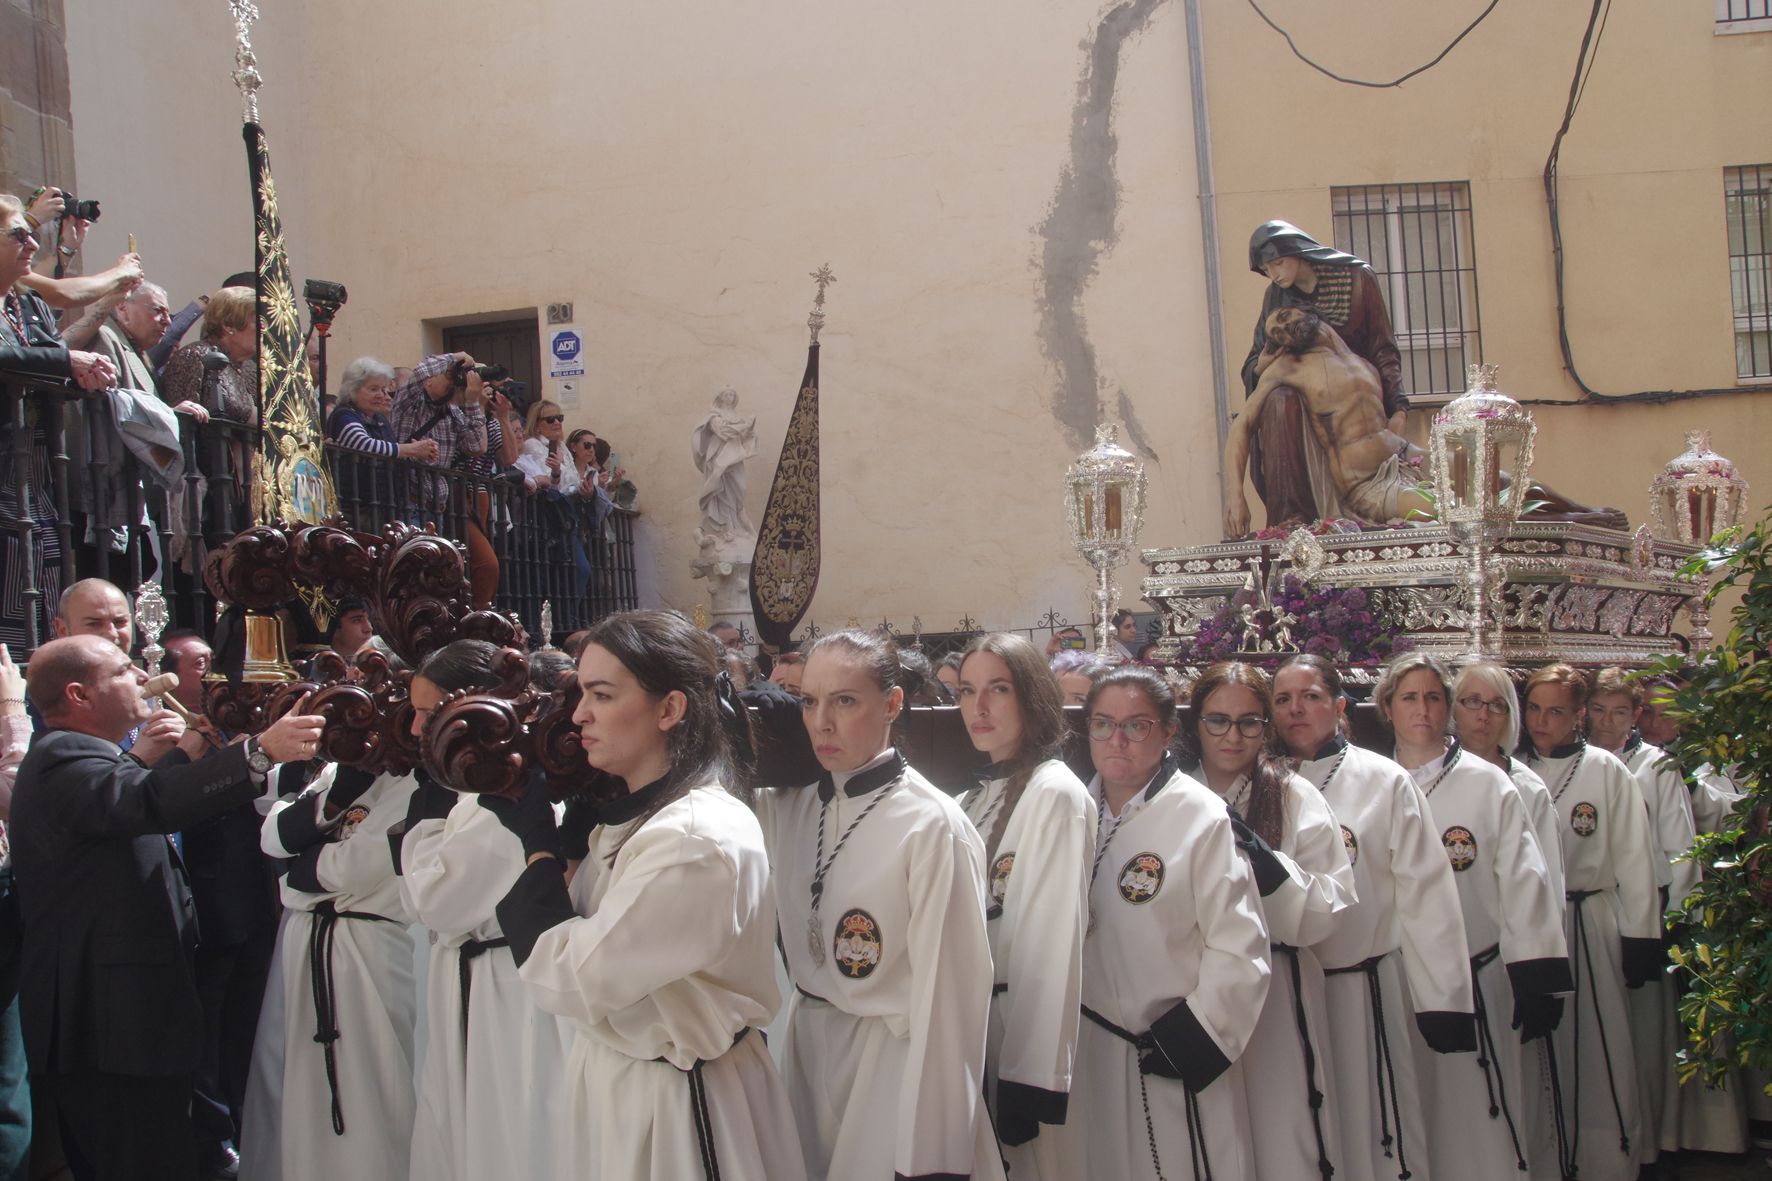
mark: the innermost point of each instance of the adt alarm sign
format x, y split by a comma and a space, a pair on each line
565, 346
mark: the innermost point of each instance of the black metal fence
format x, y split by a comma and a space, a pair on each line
72, 506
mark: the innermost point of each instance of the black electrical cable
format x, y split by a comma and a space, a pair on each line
1328, 73
1590, 48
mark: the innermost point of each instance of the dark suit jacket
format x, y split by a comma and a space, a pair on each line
108, 920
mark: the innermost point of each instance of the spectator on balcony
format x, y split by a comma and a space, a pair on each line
31, 348
45, 216
186, 316
432, 405
612, 478
542, 459
361, 422
230, 324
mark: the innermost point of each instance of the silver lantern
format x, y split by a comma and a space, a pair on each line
1480, 449
1698, 495
1104, 499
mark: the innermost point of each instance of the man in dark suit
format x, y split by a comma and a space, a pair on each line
112, 1021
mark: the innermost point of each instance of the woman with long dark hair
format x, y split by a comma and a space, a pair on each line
1175, 964
660, 953
879, 878
1038, 825
1406, 926
1479, 1117
489, 1099
1306, 880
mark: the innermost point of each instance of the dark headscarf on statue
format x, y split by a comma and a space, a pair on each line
1282, 239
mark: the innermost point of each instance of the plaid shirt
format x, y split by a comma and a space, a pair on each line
459, 433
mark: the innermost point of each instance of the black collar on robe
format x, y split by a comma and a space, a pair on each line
1630, 744
998, 770
625, 808
1165, 773
1336, 744
862, 782
1562, 752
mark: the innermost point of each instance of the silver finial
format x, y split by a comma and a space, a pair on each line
246, 75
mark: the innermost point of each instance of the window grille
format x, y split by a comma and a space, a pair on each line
1418, 239
1747, 205
1733, 15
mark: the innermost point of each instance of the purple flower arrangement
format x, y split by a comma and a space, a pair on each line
1349, 625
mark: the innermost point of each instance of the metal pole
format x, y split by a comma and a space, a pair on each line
1208, 224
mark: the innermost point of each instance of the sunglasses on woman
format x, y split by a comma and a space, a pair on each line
552, 418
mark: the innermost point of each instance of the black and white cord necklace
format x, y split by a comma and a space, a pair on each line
1105, 833
821, 867
1451, 757
1568, 776
1334, 769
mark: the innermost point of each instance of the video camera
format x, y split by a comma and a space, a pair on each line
458, 373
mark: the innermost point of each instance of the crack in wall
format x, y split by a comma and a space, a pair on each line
1080, 228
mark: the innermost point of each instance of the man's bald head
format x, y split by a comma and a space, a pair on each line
94, 607
144, 315
61, 664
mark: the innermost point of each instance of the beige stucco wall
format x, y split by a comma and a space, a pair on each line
676, 175
1667, 107
1012, 263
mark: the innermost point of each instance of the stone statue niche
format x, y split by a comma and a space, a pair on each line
725, 538
1321, 433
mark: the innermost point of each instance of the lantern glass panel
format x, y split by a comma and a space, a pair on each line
1461, 470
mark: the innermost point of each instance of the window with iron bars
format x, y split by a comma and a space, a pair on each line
1747, 205
1418, 239
1744, 16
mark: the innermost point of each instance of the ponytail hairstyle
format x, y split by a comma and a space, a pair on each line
1400, 666
1155, 689
1041, 705
461, 665
1267, 779
875, 652
667, 653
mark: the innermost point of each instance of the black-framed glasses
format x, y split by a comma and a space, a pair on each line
1475, 703
1135, 729
552, 418
1249, 725
21, 234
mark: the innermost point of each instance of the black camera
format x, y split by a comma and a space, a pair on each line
74, 207
324, 291
492, 372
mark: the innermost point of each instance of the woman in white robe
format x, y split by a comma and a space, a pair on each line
1406, 925
1176, 962
1038, 825
1486, 718
661, 952
1306, 880
1612, 923
879, 883
489, 1100
331, 1089
1513, 922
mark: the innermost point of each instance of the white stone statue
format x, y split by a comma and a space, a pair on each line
720, 446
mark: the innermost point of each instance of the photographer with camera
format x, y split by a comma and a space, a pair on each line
445, 400
60, 220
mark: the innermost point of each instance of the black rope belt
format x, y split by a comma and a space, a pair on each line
321, 937
698, 1104
1196, 1133
1494, 1081
470, 951
1312, 1093
1586, 958
1384, 1071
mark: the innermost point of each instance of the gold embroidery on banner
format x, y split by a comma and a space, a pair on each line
784, 569
299, 487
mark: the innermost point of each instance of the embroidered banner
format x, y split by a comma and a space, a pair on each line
291, 479
784, 567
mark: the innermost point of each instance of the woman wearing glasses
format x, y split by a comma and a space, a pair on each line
1175, 965
543, 458
1038, 824
1306, 880
1407, 924
880, 888
1612, 922
1512, 923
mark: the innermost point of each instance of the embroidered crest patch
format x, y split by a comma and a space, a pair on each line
1000, 879
1585, 820
354, 815
857, 945
1141, 878
1351, 843
1461, 847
